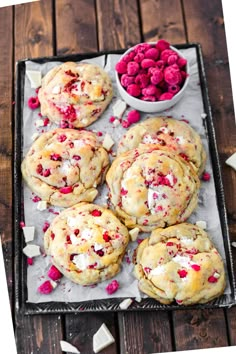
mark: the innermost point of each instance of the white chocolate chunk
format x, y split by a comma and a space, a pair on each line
54, 284
74, 240
203, 115
134, 233
34, 136
116, 122
39, 123
42, 205
216, 275
102, 339
35, 78
32, 251
202, 224
82, 261
56, 90
119, 108
108, 142
125, 304
231, 161
67, 347
28, 233
233, 244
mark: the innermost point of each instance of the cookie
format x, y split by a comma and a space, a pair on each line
75, 95
87, 243
180, 264
152, 188
65, 166
176, 135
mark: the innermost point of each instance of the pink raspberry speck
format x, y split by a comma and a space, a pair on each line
139, 240
112, 287
33, 102
30, 261
126, 80
206, 176
46, 122
152, 53
54, 273
166, 96
22, 224
147, 63
182, 273
196, 267
46, 226
121, 67
142, 80
123, 191
36, 199
212, 279
112, 119
99, 134
133, 117
162, 45
147, 270
106, 236
45, 288
132, 68
66, 190
96, 212
125, 124
61, 138
134, 90
46, 172
55, 157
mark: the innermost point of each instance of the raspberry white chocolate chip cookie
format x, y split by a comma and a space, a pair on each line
87, 243
64, 166
177, 135
180, 263
152, 188
75, 94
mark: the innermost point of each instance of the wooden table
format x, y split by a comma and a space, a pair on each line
60, 27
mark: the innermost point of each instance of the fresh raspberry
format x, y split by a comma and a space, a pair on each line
30, 261
147, 63
152, 53
196, 267
33, 102
156, 77
139, 57
150, 90
172, 59
46, 226
142, 80
66, 190
173, 89
148, 98
182, 273
160, 64
172, 76
166, 96
96, 212
125, 124
162, 44
45, 288
134, 90
133, 116
106, 236
166, 53
206, 176
182, 62
55, 157
112, 287
121, 67
143, 47
126, 80
129, 57
212, 279
54, 273
132, 68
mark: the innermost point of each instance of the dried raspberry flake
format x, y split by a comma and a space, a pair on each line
196, 267
61, 138
33, 102
66, 190
30, 261
46, 122
112, 287
22, 224
212, 279
185, 120
147, 270
185, 157
206, 176
70, 73
169, 244
99, 134
92, 266
54, 273
55, 157
39, 169
68, 240
45, 288
76, 232
123, 191
182, 273
106, 236
139, 240
46, 172
96, 212
112, 119
36, 199
72, 256
100, 253
179, 301
76, 157
52, 235
46, 226
125, 124
192, 251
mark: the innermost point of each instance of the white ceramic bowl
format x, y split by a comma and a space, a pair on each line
147, 106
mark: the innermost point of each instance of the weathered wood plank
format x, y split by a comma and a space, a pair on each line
145, 332
231, 315
76, 26
162, 19
199, 329
33, 38
118, 24
6, 63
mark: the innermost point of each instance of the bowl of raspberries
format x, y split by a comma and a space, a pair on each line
152, 77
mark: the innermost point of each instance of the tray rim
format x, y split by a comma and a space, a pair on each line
105, 305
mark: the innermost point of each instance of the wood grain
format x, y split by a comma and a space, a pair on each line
76, 26
199, 329
118, 24
160, 21
231, 316
6, 65
145, 332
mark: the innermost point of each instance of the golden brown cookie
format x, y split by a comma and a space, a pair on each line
180, 263
75, 94
152, 188
176, 135
87, 243
65, 166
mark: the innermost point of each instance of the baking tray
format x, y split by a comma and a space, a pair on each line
226, 300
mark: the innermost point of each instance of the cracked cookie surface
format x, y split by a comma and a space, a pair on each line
65, 166
87, 243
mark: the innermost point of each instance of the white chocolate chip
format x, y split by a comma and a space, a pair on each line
216, 275
35, 78
119, 108
67, 347
39, 123
102, 339
32, 251
56, 90
202, 224
28, 233
116, 122
108, 142
54, 284
125, 304
42, 205
134, 233
231, 161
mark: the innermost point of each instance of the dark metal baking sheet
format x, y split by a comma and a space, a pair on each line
20, 275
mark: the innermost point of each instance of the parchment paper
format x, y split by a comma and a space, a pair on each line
190, 107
